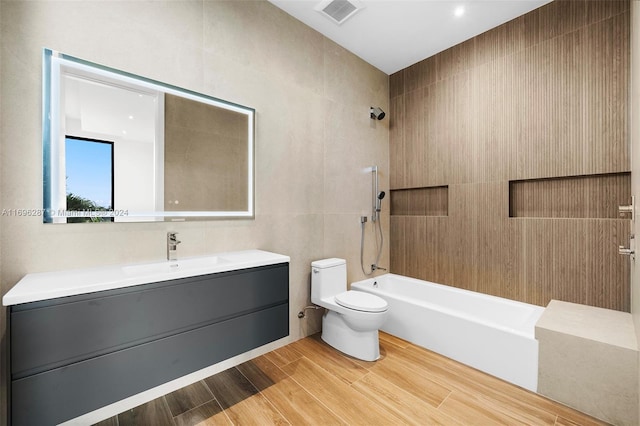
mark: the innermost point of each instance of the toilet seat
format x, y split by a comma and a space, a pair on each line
361, 301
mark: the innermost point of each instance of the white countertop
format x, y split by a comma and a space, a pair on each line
49, 285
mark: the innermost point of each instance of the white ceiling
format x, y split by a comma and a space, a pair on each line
393, 34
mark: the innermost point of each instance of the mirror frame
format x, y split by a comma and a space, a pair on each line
53, 61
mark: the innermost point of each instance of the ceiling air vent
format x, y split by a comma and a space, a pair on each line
339, 10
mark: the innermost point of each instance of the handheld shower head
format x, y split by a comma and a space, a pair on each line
379, 198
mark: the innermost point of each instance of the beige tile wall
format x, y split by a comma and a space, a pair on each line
314, 135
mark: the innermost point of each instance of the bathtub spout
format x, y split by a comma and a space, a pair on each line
374, 267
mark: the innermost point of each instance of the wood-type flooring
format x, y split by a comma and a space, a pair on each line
310, 383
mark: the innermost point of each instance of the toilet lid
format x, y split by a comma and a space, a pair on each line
361, 301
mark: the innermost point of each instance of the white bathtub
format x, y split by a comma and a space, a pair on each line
489, 333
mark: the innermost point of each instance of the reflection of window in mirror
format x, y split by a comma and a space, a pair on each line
101, 108
89, 178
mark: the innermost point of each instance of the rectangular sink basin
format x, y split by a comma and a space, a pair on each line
167, 267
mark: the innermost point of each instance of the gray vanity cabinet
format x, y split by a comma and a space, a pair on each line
75, 354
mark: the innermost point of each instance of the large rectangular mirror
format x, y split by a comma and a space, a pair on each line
122, 148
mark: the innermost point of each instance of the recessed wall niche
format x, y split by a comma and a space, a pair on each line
429, 201
593, 196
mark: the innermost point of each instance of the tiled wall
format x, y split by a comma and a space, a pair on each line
313, 132
635, 161
510, 114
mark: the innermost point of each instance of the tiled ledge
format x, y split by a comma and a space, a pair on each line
588, 359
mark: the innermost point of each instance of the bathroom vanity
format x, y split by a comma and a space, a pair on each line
84, 339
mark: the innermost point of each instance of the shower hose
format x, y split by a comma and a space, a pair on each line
376, 231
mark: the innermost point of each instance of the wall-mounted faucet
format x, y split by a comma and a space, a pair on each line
172, 245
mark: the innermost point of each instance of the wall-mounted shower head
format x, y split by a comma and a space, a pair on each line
377, 113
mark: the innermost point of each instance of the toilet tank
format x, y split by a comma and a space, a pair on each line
328, 278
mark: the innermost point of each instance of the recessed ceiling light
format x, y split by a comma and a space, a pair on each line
459, 11
131, 117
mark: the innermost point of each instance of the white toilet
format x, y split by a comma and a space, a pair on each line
353, 318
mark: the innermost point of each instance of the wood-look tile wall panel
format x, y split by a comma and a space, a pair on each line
600, 10
594, 196
457, 130
420, 75
416, 160
455, 60
577, 261
542, 96
461, 242
422, 245
502, 41
437, 263
396, 245
397, 143
437, 152
415, 247
554, 125
561, 17
607, 52
497, 115
498, 259
396, 84
531, 260
605, 268
531, 29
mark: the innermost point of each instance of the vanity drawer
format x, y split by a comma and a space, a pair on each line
54, 333
67, 392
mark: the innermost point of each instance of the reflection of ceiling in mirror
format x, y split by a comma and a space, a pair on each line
110, 110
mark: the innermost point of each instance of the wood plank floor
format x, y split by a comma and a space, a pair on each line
308, 382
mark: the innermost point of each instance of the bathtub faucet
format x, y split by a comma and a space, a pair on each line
374, 267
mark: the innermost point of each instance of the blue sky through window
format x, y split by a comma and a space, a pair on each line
89, 170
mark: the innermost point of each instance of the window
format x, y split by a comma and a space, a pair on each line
89, 179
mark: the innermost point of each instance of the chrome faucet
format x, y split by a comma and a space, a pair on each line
172, 245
